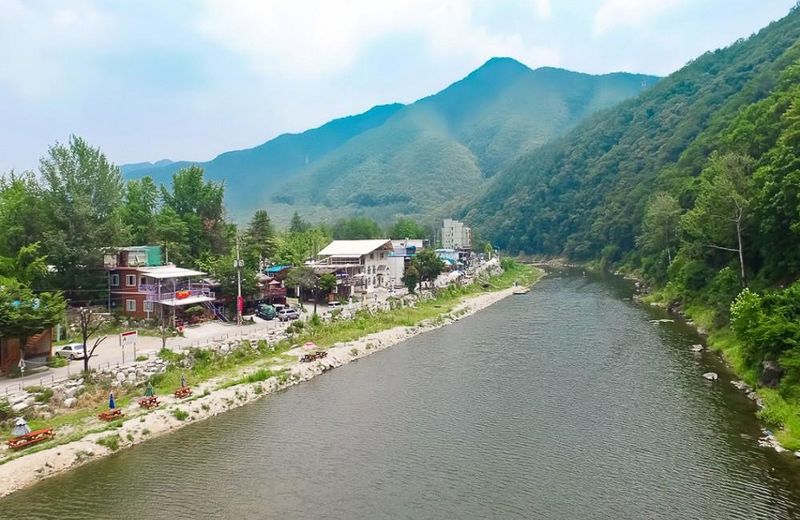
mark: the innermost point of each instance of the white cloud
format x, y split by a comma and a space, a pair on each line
633, 13
313, 38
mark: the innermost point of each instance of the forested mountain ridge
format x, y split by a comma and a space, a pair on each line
411, 159
585, 195
443, 147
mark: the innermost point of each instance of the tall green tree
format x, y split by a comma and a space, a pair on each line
139, 209
82, 198
428, 265
660, 230
723, 205
407, 228
356, 228
298, 225
28, 266
411, 278
22, 216
172, 232
199, 204
260, 240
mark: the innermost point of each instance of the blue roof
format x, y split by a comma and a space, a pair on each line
276, 268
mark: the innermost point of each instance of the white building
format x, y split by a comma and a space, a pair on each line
455, 235
364, 264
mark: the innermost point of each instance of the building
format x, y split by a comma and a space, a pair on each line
141, 287
360, 265
455, 235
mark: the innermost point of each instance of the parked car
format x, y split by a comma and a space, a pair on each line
265, 312
334, 305
71, 351
287, 314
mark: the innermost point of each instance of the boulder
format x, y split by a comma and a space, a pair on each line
711, 376
120, 377
698, 348
771, 374
74, 391
16, 408
69, 402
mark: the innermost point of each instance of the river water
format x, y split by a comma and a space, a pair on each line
565, 403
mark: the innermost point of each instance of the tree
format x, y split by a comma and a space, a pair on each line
723, 205
260, 240
24, 313
356, 228
171, 231
82, 197
223, 269
660, 226
428, 265
411, 278
139, 208
295, 247
89, 324
327, 282
22, 216
199, 204
298, 225
27, 266
407, 228
304, 278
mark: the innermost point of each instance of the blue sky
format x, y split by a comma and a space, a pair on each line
149, 79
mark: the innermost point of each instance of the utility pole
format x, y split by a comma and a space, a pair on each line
239, 302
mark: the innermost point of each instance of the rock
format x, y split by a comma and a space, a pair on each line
771, 374
711, 376
752, 396
120, 377
16, 408
741, 385
69, 402
698, 348
74, 391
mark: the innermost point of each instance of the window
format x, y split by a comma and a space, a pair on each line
148, 306
130, 305
372, 256
115, 280
130, 280
381, 256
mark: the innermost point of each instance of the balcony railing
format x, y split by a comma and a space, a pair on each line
152, 295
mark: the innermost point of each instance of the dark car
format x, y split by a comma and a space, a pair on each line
288, 314
266, 312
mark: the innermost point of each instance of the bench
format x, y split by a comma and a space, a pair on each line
183, 392
17, 443
148, 402
110, 415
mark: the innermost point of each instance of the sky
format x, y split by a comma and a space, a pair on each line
186, 80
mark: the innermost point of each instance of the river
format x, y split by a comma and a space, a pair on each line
565, 403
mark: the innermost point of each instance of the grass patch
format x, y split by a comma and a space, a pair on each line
179, 414
110, 441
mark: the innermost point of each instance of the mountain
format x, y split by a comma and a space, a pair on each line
419, 159
584, 195
127, 169
443, 148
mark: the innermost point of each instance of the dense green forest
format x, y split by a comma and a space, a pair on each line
694, 185
415, 160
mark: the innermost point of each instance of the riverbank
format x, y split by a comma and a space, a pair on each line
341, 341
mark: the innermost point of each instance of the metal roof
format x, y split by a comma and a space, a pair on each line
162, 272
351, 248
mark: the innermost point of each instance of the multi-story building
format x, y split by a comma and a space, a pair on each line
361, 264
142, 287
455, 235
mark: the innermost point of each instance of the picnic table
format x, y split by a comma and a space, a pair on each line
308, 358
110, 415
21, 441
183, 392
148, 402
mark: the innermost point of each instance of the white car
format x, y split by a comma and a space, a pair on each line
71, 351
334, 305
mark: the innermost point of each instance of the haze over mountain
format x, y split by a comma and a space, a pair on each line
419, 159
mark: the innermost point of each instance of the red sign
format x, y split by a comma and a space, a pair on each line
240, 303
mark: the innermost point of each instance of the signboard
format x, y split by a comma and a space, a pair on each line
128, 338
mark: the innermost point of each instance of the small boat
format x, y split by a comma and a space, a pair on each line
521, 289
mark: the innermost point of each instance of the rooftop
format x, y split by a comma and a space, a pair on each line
349, 248
162, 272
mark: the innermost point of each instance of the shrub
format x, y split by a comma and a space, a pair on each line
179, 414
57, 362
111, 442
5, 410
141, 358
315, 320
44, 396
